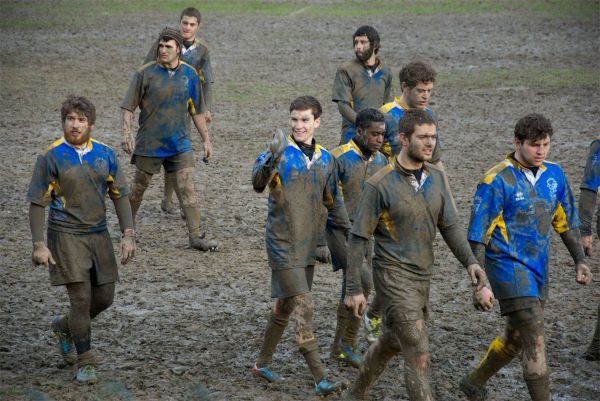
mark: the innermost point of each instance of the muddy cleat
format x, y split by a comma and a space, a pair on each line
267, 374
278, 143
323, 254
168, 207
373, 328
87, 375
65, 341
203, 244
472, 391
349, 356
325, 387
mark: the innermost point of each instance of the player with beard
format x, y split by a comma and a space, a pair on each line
73, 177
361, 83
514, 209
402, 205
587, 204
357, 160
194, 52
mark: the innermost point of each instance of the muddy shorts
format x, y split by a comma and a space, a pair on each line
81, 258
151, 165
402, 299
510, 305
289, 282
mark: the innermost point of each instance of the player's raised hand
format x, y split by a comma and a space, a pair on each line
277, 144
584, 275
41, 255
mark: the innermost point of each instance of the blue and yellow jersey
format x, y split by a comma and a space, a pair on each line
591, 174
353, 170
301, 191
75, 185
512, 214
166, 99
394, 111
362, 88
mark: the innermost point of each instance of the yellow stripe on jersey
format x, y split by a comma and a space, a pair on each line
56, 143
493, 172
191, 107
498, 222
389, 225
559, 220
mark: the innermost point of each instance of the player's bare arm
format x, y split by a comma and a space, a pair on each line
126, 139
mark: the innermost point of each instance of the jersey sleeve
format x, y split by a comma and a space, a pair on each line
387, 94
565, 217
117, 183
134, 93
486, 212
591, 174
42, 183
342, 87
195, 102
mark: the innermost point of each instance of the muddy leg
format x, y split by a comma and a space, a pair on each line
169, 188
593, 351
533, 360
414, 342
340, 328
102, 298
80, 322
302, 316
140, 183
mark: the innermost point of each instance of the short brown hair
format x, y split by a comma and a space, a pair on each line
191, 12
533, 127
78, 104
417, 71
412, 118
307, 103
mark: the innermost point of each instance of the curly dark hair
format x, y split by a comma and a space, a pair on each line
367, 116
78, 104
417, 71
371, 34
412, 118
533, 127
307, 103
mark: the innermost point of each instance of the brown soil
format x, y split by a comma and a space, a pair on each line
187, 325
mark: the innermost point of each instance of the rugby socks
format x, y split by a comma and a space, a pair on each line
192, 220
539, 387
340, 328
273, 332
352, 327
495, 358
374, 362
310, 351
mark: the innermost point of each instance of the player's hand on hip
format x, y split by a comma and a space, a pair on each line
127, 246
477, 276
584, 275
586, 243
357, 303
41, 255
483, 299
127, 143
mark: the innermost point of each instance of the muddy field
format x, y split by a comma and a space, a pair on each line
187, 325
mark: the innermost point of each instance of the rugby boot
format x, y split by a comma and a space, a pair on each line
372, 328
196, 235
169, 208
65, 341
86, 375
472, 391
278, 143
348, 355
267, 374
203, 244
326, 387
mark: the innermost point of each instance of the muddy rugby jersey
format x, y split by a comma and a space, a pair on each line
353, 170
512, 214
394, 111
75, 185
298, 190
591, 182
166, 98
361, 88
198, 56
404, 214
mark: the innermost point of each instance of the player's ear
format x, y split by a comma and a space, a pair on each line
404, 139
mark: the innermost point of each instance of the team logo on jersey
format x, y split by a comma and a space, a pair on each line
552, 185
101, 165
476, 203
519, 196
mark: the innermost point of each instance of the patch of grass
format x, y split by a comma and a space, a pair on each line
549, 78
248, 92
72, 13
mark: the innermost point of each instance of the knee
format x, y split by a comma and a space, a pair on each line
140, 183
413, 339
184, 180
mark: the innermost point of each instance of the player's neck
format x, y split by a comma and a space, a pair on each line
172, 65
407, 162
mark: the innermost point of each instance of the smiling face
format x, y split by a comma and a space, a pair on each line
532, 153
303, 124
189, 27
76, 128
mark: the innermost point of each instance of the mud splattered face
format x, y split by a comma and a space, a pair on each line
362, 48
372, 137
532, 154
303, 124
168, 53
189, 26
421, 143
76, 129
418, 97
